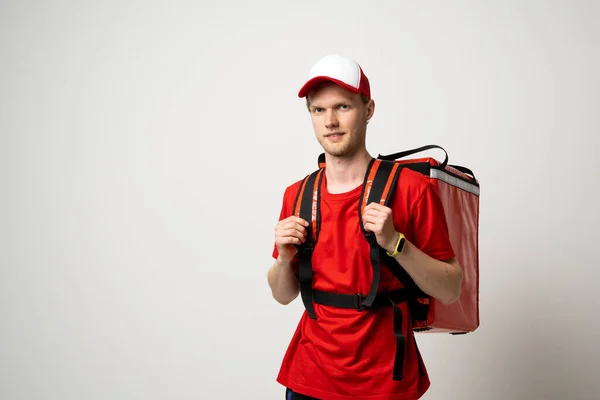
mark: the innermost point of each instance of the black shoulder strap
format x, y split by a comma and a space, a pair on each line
321, 160
306, 206
379, 184
418, 310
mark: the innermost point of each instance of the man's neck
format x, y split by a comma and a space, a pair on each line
344, 174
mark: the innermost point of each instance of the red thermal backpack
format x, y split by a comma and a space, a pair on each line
458, 190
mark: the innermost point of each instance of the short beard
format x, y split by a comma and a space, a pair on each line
349, 149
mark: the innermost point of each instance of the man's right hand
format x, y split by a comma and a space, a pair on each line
289, 232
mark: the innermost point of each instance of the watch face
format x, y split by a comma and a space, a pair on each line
401, 244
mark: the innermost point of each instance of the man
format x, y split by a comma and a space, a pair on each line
349, 354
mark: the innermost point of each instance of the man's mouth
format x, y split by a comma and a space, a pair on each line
334, 135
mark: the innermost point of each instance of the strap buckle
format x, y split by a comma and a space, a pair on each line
359, 302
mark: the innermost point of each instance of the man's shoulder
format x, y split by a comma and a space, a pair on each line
291, 190
412, 181
295, 185
410, 188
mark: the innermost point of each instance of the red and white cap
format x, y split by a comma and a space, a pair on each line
343, 71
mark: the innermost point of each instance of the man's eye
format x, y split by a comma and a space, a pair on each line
344, 107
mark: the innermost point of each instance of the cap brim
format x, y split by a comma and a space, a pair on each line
320, 79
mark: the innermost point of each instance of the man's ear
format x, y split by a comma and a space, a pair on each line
370, 109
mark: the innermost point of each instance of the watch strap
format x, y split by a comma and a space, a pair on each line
397, 248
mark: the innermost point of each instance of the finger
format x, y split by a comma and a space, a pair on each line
290, 224
293, 226
376, 207
373, 215
292, 233
373, 224
370, 227
374, 218
296, 231
289, 240
374, 211
368, 224
373, 206
297, 220
294, 222
291, 221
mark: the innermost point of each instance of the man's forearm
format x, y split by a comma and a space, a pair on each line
439, 279
283, 281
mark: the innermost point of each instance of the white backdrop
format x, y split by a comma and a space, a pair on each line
145, 147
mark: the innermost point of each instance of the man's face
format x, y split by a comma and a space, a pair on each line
339, 118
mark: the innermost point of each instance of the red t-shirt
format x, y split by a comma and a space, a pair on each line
345, 354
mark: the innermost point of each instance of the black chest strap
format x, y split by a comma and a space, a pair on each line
382, 299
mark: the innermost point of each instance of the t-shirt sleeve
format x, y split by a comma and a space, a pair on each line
430, 227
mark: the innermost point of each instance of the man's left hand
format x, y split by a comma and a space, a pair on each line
378, 219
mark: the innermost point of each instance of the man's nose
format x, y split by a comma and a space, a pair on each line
331, 119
